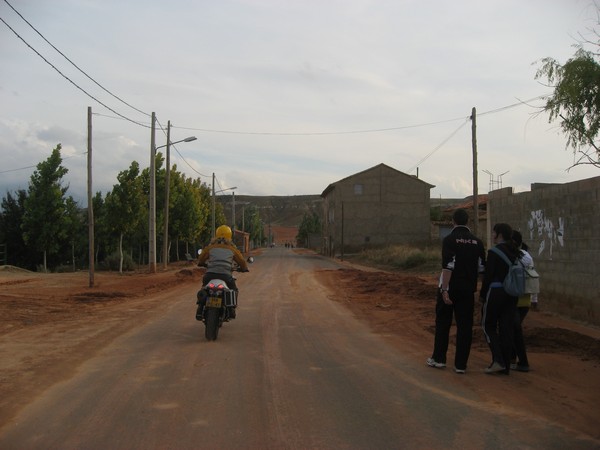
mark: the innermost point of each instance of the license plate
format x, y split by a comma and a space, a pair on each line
213, 302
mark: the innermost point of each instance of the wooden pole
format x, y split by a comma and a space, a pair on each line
152, 201
475, 192
167, 187
91, 252
342, 237
213, 207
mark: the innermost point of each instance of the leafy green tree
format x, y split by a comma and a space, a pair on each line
575, 102
75, 231
44, 223
254, 225
101, 227
311, 223
190, 211
12, 211
124, 205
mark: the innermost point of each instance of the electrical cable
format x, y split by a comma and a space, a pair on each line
232, 131
74, 65
439, 146
68, 79
180, 155
35, 165
376, 130
323, 133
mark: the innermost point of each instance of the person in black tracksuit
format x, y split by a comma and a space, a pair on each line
462, 255
499, 309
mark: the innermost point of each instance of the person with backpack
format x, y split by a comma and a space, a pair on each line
499, 308
523, 304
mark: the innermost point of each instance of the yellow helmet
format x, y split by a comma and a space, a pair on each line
223, 232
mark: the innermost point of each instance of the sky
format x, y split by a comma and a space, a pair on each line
286, 97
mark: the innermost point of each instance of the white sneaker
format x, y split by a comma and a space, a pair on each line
460, 370
433, 363
495, 367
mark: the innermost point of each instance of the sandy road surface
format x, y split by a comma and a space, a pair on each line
299, 368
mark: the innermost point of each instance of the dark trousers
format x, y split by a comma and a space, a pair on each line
519, 351
498, 318
462, 310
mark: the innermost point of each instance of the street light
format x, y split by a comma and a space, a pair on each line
213, 202
152, 227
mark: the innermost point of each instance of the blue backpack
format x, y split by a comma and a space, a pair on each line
514, 283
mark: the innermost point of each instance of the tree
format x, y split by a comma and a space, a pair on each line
575, 102
190, 209
311, 224
74, 228
44, 222
12, 211
101, 226
254, 225
125, 205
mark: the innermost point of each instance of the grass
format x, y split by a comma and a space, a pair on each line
402, 257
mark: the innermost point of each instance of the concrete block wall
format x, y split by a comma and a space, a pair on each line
561, 226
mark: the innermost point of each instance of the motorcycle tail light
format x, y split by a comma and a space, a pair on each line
213, 288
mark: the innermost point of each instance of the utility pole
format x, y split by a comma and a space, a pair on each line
91, 252
167, 187
233, 214
475, 192
213, 206
152, 201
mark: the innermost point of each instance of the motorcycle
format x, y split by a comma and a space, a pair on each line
216, 305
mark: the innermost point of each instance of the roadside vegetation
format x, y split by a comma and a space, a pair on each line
401, 257
45, 229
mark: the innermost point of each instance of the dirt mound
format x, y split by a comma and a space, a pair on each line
14, 269
391, 300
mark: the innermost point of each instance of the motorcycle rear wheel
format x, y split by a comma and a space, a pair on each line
212, 324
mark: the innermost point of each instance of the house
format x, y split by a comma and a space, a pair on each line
376, 207
441, 228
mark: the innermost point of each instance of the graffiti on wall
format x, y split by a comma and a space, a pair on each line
546, 232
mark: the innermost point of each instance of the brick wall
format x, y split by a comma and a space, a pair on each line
561, 225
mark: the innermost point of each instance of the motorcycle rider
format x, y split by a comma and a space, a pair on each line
219, 257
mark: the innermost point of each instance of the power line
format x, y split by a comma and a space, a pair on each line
180, 155
35, 165
514, 105
375, 130
323, 133
438, 147
75, 65
68, 79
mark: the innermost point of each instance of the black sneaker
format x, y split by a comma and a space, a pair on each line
519, 367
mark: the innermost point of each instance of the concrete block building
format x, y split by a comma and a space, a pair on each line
376, 207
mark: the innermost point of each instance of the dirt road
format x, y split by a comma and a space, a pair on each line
319, 357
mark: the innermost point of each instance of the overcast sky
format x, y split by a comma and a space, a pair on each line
286, 97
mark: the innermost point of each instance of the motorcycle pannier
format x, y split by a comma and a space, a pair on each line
230, 298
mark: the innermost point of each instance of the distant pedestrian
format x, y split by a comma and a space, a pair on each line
462, 254
499, 308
